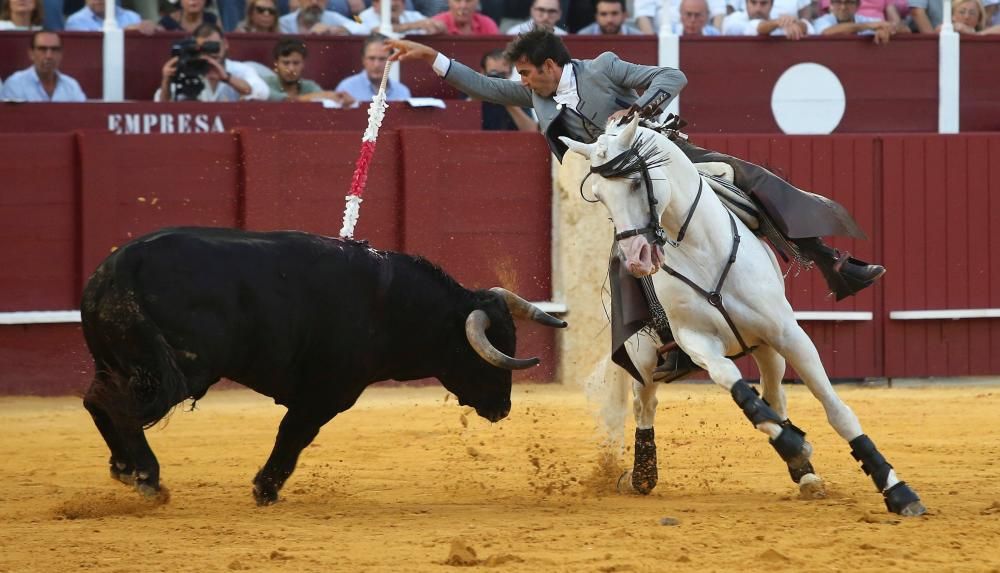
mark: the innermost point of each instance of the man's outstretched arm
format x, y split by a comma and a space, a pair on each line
462, 77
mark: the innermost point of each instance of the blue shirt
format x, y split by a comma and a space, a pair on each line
85, 20
25, 86
362, 90
289, 23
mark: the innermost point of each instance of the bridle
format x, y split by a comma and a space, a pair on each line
636, 160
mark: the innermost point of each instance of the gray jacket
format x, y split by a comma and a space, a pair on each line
605, 85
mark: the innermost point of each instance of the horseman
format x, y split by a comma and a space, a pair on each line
577, 99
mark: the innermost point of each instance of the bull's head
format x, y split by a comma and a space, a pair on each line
484, 382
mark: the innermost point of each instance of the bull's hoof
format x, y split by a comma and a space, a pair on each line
127, 478
904, 501
811, 486
264, 495
148, 490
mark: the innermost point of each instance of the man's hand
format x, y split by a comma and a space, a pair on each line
169, 69
408, 51
794, 30
217, 69
146, 27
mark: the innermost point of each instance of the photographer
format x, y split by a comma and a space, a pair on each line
199, 70
497, 117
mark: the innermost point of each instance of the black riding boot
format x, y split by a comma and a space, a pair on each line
844, 274
675, 363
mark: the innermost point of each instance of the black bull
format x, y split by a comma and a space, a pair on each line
310, 321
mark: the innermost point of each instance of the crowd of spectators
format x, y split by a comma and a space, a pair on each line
208, 21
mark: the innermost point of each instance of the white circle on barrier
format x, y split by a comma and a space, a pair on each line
808, 99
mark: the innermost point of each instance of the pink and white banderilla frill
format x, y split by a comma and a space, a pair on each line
376, 112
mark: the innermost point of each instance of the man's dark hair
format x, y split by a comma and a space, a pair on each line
373, 38
206, 29
497, 54
538, 46
37, 32
289, 46
621, 2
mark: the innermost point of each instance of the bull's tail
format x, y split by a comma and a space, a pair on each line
141, 381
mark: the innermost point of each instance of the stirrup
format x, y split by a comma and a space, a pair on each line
676, 364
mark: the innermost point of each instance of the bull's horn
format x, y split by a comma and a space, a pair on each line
520, 308
475, 330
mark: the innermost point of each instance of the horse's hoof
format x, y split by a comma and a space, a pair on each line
642, 485
624, 484
811, 486
903, 500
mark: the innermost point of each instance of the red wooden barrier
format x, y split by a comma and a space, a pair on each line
941, 219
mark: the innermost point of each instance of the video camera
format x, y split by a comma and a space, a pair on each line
191, 66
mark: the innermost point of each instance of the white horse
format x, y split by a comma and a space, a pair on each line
722, 296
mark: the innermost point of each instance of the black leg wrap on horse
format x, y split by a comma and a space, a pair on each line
644, 474
755, 409
899, 496
872, 462
791, 446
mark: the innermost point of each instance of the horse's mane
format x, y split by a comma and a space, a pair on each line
643, 152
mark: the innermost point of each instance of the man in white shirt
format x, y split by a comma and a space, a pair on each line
544, 15
223, 80
403, 21
312, 17
649, 14
756, 21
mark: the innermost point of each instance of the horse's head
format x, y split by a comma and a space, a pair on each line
632, 184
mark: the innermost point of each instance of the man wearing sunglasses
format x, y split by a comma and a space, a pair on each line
42, 81
225, 80
544, 16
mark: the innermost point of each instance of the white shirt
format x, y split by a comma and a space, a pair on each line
85, 20
289, 23
829, 20
740, 24
654, 9
371, 19
225, 92
779, 8
528, 26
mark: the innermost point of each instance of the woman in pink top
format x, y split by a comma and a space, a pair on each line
462, 18
889, 10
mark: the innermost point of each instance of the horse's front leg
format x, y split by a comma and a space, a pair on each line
644, 474
709, 352
772, 370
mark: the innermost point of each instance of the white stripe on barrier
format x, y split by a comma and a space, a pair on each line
40, 317
832, 315
951, 314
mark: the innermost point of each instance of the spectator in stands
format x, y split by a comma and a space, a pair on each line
190, 15
609, 19
261, 17
403, 21
42, 81
90, 18
287, 84
226, 80
312, 17
967, 16
844, 19
363, 85
927, 15
21, 15
462, 19
544, 16
992, 12
756, 21
801, 8
694, 20
498, 117
892, 11
649, 15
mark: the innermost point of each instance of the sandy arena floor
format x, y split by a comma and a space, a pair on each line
406, 481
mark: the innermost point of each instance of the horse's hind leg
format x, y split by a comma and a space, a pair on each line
801, 353
772, 370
